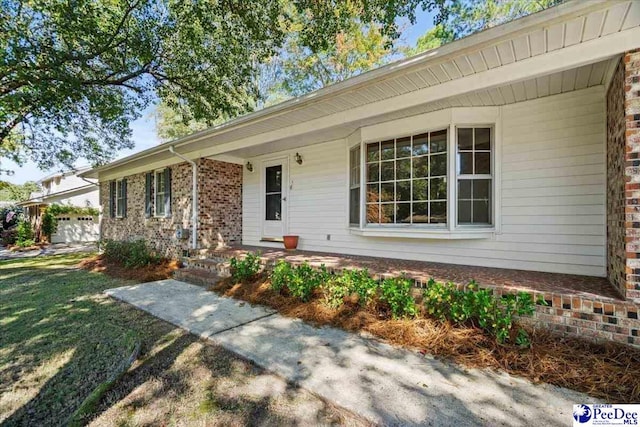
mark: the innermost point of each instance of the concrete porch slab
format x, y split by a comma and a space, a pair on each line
188, 306
385, 384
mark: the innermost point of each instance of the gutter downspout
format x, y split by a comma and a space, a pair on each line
194, 198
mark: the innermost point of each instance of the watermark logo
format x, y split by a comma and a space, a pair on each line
605, 415
581, 413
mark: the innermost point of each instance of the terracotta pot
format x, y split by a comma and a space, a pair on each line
290, 242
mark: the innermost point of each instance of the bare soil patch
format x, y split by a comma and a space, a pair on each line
608, 371
148, 273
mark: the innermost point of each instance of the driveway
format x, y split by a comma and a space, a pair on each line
382, 383
54, 249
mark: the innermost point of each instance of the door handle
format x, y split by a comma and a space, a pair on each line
284, 199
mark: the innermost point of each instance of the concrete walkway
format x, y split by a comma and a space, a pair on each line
385, 384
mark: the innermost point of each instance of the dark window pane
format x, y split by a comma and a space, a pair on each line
373, 172
439, 141
464, 189
420, 213
403, 169
420, 144
387, 150
438, 212
465, 163
403, 191
403, 213
483, 138
386, 192
483, 163
354, 206
274, 207
387, 171
465, 139
420, 189
373, 152
438, 188
421, 167
438, 165
403, 147
373, 213
464, 212
372, 193
480, 212
386, 214
481, 189
274, 179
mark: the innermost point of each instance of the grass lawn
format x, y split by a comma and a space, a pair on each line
61, 338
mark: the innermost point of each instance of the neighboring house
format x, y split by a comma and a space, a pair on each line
516, 147
69, 189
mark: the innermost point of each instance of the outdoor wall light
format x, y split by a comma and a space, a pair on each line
298, 158
249, 167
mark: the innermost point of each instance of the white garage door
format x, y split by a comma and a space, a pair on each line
76, 229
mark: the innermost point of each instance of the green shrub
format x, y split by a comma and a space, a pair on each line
135, 253
335, 291
350, 282
49, 224
9, 237
243, 270
300, 281
281, 275
25, 243
24, 234
305, 279
480, 307
396, 292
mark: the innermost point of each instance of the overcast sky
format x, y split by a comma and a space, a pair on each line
144, 133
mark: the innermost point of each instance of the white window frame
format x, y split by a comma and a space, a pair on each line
119, 196
491, 177
450, 119
358, 169
156, 193
364, 183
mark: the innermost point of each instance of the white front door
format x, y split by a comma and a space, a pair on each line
274, 198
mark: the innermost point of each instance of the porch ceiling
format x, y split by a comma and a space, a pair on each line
573, 79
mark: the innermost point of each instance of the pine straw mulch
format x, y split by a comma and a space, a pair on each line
148, 273
608, 371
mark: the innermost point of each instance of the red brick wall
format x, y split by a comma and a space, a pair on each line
220, 203
219, 208
623, 177
616, 231
632, 172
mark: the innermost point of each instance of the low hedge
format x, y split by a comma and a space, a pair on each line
442, 301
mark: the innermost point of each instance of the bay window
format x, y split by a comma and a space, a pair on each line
407, 180
404, 183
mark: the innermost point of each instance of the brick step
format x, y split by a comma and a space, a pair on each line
197, 276
218, 267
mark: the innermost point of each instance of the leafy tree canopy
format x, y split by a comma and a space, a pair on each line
465, 17
17, 192
73, 75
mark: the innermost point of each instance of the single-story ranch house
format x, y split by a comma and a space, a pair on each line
514, 148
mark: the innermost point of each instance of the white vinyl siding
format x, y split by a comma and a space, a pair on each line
551, 197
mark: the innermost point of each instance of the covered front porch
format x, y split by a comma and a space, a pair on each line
587, 306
